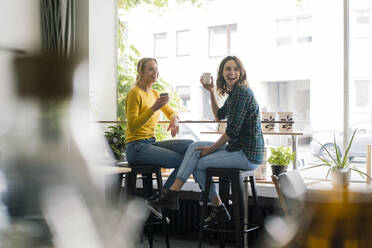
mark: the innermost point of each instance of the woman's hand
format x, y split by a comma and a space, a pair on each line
205, 150
174, 126
209, 87
160, 102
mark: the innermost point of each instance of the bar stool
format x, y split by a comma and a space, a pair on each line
147, 171
235, 178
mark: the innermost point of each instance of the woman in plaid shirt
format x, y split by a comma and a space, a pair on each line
241, 146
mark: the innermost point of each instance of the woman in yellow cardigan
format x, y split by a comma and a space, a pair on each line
142, 109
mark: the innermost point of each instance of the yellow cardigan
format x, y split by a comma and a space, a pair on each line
141, 120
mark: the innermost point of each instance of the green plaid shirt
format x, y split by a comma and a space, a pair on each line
243, 123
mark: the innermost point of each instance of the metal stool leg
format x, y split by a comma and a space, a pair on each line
148, 191
237, 194
256, 216
204, 210
224, 191
159, 182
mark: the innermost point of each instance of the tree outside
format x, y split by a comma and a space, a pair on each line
129, 55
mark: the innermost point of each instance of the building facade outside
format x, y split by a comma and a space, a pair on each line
293, 53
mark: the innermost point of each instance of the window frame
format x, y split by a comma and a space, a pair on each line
228, 39
165, 38
178, 54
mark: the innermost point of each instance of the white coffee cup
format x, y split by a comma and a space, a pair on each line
206, 78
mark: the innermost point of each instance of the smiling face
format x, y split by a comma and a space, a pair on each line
231, 73
150, 72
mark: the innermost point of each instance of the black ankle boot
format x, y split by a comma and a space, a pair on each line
168, 199
218, 214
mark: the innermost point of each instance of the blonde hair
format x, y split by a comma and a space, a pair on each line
222, 86
141, 67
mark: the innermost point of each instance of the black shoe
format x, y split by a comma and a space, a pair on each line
156, 213
217, 215
168, 199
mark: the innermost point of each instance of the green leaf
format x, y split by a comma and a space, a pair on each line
348, 149
338, 162
325, 148
328, 171
361, 173
280, 156
314, 166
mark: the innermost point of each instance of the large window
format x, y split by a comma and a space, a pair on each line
222, 40
293, 55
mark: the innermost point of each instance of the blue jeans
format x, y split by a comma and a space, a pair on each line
195, 165
168, 154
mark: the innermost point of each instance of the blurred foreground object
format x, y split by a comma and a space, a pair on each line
48, 197
330, 219
291, 190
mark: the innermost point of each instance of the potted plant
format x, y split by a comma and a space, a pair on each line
279, 159
116, 138
339, 164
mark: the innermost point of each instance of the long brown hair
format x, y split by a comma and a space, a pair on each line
222, 86
141, 67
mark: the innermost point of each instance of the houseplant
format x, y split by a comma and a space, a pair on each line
279, 159
339, 164
116, 138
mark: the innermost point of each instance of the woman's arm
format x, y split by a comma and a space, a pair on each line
136, 119
174, 125
173, 118
205, 150
214, 104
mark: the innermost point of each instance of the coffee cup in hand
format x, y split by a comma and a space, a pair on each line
206, 78
163, 94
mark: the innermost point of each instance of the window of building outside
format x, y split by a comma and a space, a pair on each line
306, 80
160, 45
284, 31
361, 21
303, 28
362, 16
222, 39
362, 93
185, 95
294, 29
183, 43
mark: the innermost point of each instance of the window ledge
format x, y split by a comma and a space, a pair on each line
266, 188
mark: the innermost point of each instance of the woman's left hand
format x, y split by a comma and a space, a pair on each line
174, 126
205, 150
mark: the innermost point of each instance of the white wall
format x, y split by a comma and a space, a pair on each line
20, 24
103, 59
19, 29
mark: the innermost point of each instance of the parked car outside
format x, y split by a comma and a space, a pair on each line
362, 138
